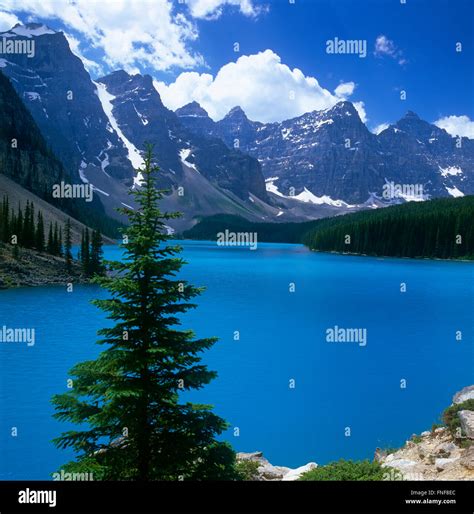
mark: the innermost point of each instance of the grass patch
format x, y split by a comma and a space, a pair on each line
364, 470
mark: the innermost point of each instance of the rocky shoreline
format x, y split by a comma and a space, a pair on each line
433, 455
436, 454
33, 268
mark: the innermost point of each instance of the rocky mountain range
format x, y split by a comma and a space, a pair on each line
97, 129
319, 164
331, 155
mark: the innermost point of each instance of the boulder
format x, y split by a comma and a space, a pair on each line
254, 456
442, 464
401, 464
270, 472
467, 460
267, 471
294, 474
466, 417
467, 393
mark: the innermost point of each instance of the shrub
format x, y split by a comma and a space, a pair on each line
451, 418
247, 469
346, 470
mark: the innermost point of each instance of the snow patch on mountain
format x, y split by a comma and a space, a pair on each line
30, 30
106, 100
82, 175
271, 187
454, 191
32, 95
309, 197
183, 155
143, 119
450, 170
305, 196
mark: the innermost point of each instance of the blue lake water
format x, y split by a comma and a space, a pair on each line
410, 336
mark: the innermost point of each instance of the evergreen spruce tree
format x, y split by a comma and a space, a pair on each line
67, 245
96, 266
86, 253
18, 229
5, 233
60, 242
56, 239
50, 243
25, 239
136, 425
81, 249
39, 237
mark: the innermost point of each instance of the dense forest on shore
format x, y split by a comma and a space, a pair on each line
209, 227
442, 228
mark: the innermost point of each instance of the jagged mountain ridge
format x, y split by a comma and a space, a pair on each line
318, 164
331, 153
98, 128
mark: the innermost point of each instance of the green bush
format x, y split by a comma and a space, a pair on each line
247, 469
451, 418
346, 470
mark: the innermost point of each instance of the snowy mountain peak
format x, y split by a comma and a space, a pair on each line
192, 109
410, 115
237, 113
30, 30
343, 108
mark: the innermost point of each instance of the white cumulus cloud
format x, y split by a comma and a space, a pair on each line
457, 125
380, 128
212, 9
7, 21
265, 88
130, 33
386, 47
345, 89
75, 45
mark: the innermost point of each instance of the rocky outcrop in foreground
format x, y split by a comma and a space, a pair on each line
433, 455
268, 472
436, 454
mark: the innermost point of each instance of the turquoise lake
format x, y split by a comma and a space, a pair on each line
290, 393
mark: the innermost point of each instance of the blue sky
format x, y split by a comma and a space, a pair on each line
188, 46
438, 80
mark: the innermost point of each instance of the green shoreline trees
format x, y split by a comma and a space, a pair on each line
135, 426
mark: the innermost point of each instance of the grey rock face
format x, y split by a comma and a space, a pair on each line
269, 472
96, 137
466, 417
467, 393
467, 460
332, 152
60, 95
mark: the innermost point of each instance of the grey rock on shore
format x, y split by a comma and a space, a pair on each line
269, 472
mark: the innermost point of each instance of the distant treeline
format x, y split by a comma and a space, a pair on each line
208, 228
25, 228
441, 228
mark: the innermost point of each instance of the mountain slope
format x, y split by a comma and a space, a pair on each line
26, 159
98, 130
62, 99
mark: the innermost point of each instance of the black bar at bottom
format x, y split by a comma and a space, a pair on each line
237, 497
